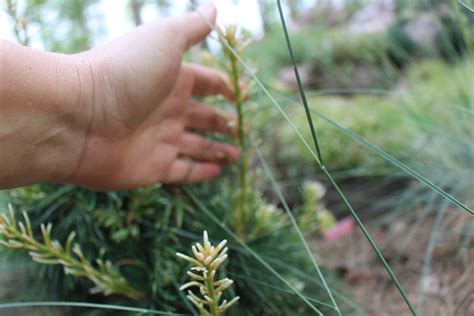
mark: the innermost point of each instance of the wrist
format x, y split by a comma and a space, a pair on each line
43, 114
76, 91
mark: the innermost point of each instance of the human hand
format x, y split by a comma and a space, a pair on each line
138, 113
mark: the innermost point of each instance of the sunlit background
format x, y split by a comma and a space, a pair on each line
108, 19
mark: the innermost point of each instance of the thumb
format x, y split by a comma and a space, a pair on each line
196, 25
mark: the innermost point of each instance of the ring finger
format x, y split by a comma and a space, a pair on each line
200, 148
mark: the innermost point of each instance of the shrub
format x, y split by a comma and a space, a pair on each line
425, 126
125, 242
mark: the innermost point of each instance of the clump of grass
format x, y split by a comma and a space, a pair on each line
207, 259
313, 213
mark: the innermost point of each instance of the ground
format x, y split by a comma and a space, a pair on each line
447, 286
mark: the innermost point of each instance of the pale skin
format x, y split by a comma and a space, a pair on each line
116, 117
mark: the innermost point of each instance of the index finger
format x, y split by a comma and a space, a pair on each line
208, 81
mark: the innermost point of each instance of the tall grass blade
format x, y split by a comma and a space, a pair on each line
466, 6
300, 86
277, 288
463, 301
370, 240
84, 305
309, 277
429, 253
333, 182
395, 162
276, 187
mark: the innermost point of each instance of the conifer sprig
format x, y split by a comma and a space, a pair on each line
228, 38
207, 259
106, 277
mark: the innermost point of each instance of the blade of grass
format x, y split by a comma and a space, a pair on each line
370, 240
394, 161
331, 179
309, 277
464, 300
466, 6
300, 86
236, 276
429, 253
85, 305
276, 187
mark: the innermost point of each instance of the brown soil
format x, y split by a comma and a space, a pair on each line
445, 288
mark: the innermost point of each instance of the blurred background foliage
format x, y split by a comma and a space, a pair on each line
398, 74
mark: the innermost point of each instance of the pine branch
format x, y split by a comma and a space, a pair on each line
228, 38
206, 261
106, 277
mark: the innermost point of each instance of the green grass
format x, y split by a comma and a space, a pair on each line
426, 127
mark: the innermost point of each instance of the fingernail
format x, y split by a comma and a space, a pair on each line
221, 154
